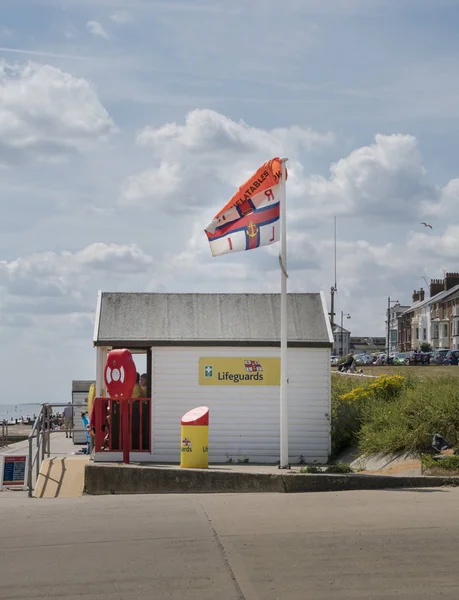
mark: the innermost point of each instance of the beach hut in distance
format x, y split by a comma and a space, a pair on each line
222, 351
80, 393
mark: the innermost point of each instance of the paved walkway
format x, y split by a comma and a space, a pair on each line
60, 446
62, 474
61, 477
376, 545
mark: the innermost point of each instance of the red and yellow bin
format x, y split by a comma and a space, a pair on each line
195, 438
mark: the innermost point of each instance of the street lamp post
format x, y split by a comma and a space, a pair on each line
348, 316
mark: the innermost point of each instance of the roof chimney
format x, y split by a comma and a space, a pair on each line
451, 279
436, 286
416, 296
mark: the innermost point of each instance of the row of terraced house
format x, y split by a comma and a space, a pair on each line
433, 320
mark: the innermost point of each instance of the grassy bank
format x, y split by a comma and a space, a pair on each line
394, 413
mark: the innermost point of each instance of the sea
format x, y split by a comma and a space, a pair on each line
19, 412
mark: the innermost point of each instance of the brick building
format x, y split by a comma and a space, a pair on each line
434, 320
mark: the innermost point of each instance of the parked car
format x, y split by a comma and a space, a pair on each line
359, 359
363, 359
380, 359
334, 360
397, 358
439, 356
418, 358
451, 358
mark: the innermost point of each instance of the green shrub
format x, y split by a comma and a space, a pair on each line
449, 463
393, 413
345, 417
310, 469
408, 421
339, 467
351, 400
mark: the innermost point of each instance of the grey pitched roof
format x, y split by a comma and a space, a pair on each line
339, 329
81, 385
142, 320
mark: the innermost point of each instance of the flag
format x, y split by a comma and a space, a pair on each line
251, 218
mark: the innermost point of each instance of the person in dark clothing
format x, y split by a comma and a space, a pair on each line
47, 416
348, 364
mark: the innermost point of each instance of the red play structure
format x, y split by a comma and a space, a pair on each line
121, 423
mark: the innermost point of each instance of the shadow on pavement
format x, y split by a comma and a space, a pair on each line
422, 490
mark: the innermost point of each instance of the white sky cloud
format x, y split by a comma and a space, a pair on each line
96, 29
384, 180
120, 17
194, 160
46, 113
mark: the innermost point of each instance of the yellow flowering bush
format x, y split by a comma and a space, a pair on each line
349, 406
394, 413
387, 386
355, 395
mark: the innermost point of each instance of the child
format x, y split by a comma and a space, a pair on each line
85, 418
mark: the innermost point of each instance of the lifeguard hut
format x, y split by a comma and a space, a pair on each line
222, 351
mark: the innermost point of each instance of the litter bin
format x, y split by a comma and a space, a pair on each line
194, 439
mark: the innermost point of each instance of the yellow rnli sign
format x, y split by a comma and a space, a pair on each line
239, 371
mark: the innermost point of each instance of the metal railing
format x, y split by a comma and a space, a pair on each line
41, 433
3, 434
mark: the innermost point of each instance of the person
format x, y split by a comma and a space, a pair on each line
137, 392
348, 364
47, 415
68, 420
144, 384
106, 429
86, 425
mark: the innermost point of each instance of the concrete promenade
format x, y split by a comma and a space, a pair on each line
60, 446
362, 545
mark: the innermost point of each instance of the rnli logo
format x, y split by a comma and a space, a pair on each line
252, 366
252, 229
186, 445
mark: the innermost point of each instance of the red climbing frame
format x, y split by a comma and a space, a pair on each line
128, 419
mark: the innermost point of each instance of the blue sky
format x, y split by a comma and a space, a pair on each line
125, 125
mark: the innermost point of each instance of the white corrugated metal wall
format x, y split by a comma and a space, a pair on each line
244, 420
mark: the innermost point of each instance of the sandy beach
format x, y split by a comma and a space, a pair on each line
19, 429
16, 433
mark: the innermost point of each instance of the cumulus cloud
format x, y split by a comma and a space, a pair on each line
47, 311
120, 17
446, 202
207, 131
194, 162
201, 162
66, 282
96, 29
386, 179
46, 113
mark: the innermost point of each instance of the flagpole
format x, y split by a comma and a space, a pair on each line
283, 464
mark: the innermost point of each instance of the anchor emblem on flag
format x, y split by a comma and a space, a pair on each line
252, 229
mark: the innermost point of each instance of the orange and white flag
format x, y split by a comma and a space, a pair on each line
251, 218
